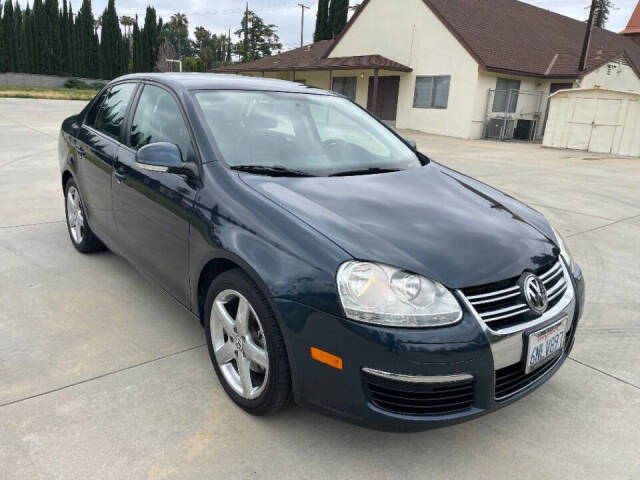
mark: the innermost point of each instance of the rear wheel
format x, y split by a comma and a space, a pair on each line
245, 344
80, 233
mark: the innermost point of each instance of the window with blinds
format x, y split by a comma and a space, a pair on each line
432, 92
346, 86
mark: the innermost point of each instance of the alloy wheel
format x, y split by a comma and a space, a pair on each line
239, 344
75, 216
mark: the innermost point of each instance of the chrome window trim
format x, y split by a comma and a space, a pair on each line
418, 378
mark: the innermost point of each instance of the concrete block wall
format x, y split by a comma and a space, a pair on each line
34, 80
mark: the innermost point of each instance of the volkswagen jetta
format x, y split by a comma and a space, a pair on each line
328, 260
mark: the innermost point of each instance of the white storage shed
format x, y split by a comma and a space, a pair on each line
595, 120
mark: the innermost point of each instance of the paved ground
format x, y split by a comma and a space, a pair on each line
102, 376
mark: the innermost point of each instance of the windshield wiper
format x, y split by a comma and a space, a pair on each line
365, 171
273, 170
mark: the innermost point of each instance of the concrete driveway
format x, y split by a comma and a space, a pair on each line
103, 376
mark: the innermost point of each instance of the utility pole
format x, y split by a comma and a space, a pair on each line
245, 48
587, 36
303, 7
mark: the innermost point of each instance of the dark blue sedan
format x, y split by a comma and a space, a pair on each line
328, 260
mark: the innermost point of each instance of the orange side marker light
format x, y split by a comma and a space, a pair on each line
326, 358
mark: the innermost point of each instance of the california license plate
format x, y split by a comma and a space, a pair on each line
544, 345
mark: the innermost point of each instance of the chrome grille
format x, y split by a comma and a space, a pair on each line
501, 305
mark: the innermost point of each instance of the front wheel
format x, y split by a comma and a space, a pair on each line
245, 344
82, 237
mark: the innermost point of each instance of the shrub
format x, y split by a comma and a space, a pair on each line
80, 85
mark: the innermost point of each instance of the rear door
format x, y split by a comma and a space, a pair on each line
153, 209
97, 143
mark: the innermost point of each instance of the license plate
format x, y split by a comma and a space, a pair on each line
544, 346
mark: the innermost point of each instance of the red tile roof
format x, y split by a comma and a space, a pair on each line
314, 57
634, 22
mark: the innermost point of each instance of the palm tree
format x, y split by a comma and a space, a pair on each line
180, 23
97, 23
127, 22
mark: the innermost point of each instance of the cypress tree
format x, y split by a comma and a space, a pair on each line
3, 60
341, 15
40, 38
322, 22
150, 39
9, 33
20, 43
338, 13
110, 43
28, 44
53, 50
64, 39
73, 43
85, 39
137, 53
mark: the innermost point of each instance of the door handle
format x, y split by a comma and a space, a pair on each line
81, 151
118, 176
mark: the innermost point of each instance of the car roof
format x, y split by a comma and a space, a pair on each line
217, 81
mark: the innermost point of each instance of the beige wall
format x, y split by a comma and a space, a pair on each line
619, 77
407, 31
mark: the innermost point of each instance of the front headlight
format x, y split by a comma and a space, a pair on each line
564, 250
384, 295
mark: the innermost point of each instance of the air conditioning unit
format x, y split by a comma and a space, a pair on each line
495, 126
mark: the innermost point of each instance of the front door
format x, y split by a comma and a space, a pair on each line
153, 209
97, 143
387, 99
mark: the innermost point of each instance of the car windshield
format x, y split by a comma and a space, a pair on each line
306, 134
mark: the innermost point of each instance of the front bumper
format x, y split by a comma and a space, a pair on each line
466, 350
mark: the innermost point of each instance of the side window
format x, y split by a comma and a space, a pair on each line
95, 108
158, 119
346, 86
111, 115
432, 92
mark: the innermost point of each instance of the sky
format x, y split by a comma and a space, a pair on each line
220, 15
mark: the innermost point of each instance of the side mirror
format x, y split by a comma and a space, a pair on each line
411, 142
165, 157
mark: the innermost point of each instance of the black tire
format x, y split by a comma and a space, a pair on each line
89, 243
277, 392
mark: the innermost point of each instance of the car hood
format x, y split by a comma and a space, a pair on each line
431, 220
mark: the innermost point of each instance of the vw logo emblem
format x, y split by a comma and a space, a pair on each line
534, 292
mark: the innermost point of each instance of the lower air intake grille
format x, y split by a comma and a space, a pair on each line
419, 398
512, 378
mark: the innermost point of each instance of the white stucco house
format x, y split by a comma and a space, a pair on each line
462, 68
